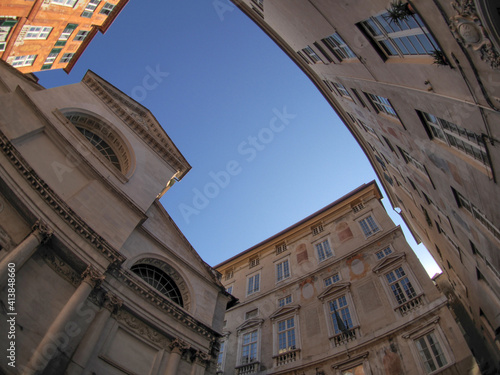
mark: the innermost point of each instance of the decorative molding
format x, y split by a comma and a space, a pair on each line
56, 203
468, 30
43, 230
147, 128
163, 303
142, 329
422, 329
112, 302
61, 267
179, 345
92, 277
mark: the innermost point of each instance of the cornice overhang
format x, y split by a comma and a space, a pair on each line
140, 121
288, 309
388, 261
334, 289
250, 323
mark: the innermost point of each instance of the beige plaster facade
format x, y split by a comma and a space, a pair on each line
95, 276
340, 292
422, 98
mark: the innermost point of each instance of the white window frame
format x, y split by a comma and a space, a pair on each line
294, 318
332, 279
311, 55
283, 269
292, 352
66, 33
90, 8
339, 47
253, 277
364, 223
221, 357
81, 35
342, 90
323, 256
51, 58
382, 105
282, 302
38, 32
26, 60
66, 3
241, 343
384, 252
66, 57
107, 8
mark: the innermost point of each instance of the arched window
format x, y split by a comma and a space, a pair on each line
159, 280
101, 135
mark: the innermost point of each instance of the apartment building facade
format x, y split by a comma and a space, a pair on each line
95, 277
340, 292
52, 34
418, 85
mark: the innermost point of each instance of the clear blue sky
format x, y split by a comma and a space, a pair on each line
266, 148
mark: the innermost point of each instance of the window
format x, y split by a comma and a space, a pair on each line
52, 56
478, 215
383, 253
229, 289
324, 250
308, 51
411, 160
220, 357
430, 352
457, 137
101, 145
107, 9
90, 8
159, 280
338, 47
67, 32
285, 301
335, 278
400, 285
253, 284
254, 262
26, 60
382, 105
282, 270
81, 35
403, 38
340, 315
68, 3
281, 248
342, 90
229, 274
358, 207
369, 226
66, 58
317, 229
259, 3
286, 335
38, 32
249, 347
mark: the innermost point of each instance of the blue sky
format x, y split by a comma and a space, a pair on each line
265, 147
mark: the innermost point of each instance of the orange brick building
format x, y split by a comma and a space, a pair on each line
51, 34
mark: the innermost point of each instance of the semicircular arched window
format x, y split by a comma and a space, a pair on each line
102, 137
159, 280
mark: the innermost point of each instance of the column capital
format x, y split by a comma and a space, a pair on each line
201, 358
179, 346
92, 276
112, 302
42, 231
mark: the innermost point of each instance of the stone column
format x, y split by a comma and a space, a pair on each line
177, 348
22, 252
200, 361
56, 338
82, 355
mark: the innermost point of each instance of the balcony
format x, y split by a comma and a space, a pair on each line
287, 357
345, 337
410, 305
250, 368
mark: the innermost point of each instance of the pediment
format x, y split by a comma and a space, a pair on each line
285, 310
250, 323
139, 119
334, 289
387, 261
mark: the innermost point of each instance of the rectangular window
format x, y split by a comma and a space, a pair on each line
52, 56
361, 101
411, 160
286, 335
220, 358
38, 32
90, 8
249, 348
281, 248
430, 352
229, 289
338, 47
81, 35
285, 301
369, 226
324, 250
407, 37
309, 52
67, 32
66, 57
400, 285
342, 90
26, 60
68, 3
340, 314
253, 284
254, 262
383, 253
382, 105
107, 9
317, 229
335, 278
457, 137
358, 207
282, 270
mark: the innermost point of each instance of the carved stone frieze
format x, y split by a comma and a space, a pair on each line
142, 329
179, 345
468, 30
61, 267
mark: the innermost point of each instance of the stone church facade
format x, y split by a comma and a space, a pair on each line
95, 276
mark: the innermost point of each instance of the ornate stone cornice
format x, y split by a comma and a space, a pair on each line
92, 277
468, 30
41, 229
56, 203
163, 303
139, 121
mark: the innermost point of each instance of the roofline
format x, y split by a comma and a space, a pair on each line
301, 222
